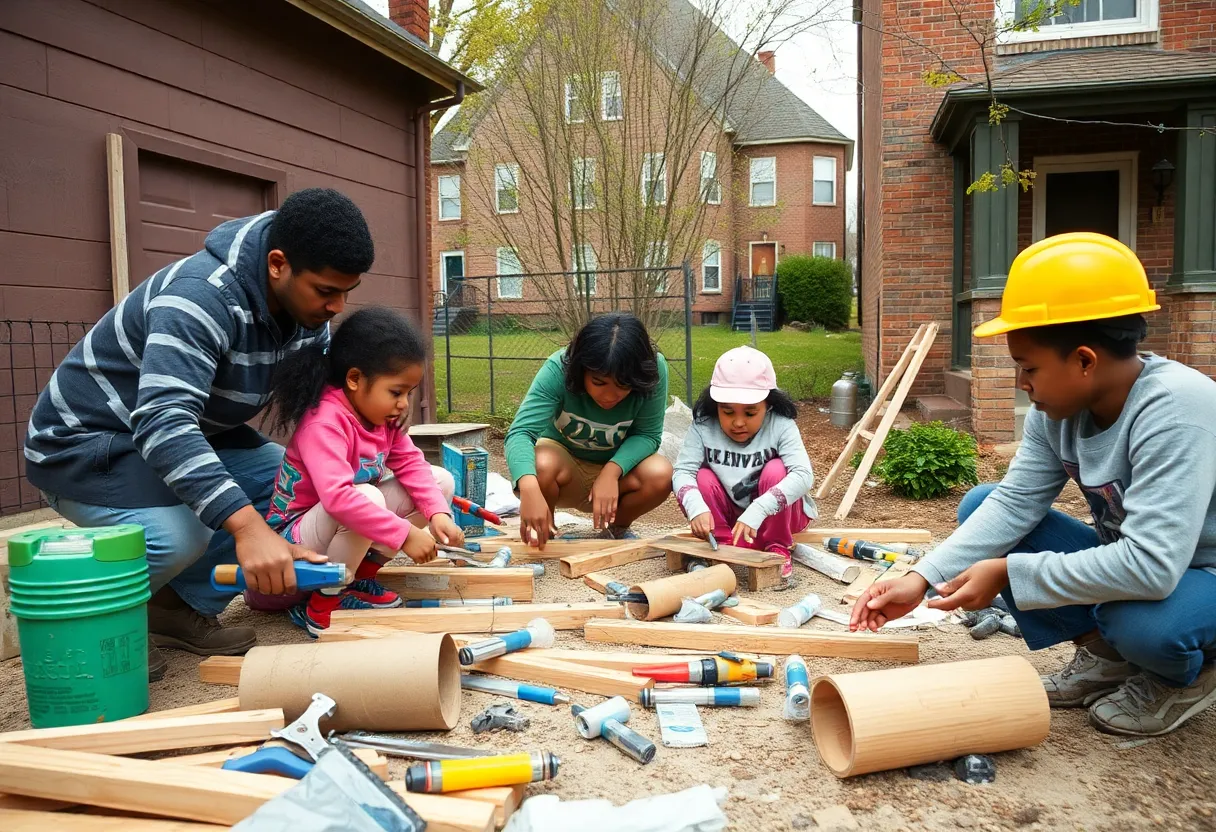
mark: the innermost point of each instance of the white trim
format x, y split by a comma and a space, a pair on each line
1126, 162
459, 197
1146, 20
847, 144
835, 180
444, 256
752, 181
824, 243
704, 249
500, 274
776, 255
620, 92
514, 170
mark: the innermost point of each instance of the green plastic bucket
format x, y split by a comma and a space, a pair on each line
80, 597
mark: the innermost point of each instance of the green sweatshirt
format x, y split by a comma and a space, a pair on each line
626, 435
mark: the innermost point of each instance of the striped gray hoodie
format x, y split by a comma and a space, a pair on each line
133, 415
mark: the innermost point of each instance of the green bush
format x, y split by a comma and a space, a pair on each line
816, 290
927, 460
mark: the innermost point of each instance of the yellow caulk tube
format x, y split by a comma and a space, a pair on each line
481, 772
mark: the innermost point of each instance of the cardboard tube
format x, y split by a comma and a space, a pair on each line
406, 682
663, 595
885, 719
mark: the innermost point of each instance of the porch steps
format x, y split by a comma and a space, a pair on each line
942, 409
741, 319
457, 319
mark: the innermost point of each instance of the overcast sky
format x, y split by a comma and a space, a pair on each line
819, 65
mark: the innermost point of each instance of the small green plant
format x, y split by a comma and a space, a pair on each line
927, 460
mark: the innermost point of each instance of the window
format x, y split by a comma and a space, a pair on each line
611, 104
583, 183
574, 103
656, 259
764, 181
825, 250
654, 179
711, 188
506, 188
510, 288
824, 188
1085, 18
585, 264
449, 197
711, 318
711, 268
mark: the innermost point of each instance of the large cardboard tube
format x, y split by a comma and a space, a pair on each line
663, 595
407, 682
887, 719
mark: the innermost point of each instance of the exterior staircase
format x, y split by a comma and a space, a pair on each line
758, 296
954, 406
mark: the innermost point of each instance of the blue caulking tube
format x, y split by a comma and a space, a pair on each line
797, 694
501, 558
538, 633
802, 612
518, 690
428, 603
715, 697
607, 720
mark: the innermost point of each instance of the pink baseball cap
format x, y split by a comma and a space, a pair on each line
743, 375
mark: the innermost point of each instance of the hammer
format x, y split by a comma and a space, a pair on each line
304, 732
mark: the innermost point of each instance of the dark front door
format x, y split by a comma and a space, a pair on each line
1083, 201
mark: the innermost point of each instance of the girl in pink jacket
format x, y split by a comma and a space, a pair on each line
352, 484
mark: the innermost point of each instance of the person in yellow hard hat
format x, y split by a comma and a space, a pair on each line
1136, 592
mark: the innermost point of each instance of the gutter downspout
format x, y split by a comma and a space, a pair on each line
422, 174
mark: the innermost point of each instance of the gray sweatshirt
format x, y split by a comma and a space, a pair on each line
1149, 479
738, 468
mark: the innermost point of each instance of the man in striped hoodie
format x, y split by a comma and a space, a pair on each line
145, 420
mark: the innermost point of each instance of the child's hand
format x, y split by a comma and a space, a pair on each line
605, 492
445, 530
419, 546
702, 525
975, 588
887, 601
535, 516
744, 531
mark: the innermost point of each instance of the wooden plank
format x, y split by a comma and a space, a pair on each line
481, 619
120, 270
219, 706
751, 611
354, 632
13, 820
874, 647
527, 666
816, 535
417, 582
734, 555
446, 813
221, 670
137, 736
575, 566
853, 591
598, 581
504, 799
626, 662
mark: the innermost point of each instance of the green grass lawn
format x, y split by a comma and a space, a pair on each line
807, 364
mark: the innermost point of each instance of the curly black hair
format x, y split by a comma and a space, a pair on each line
706, 409
1120, 337
319, 227
376, 341
615, 345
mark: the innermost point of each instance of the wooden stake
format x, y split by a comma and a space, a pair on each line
138, 736
873, 647
598, 581
445, 813
481, 619
505, 799
575, 566
221, 670
815, 535
13, 820
355, 632
752, 612
219, 706
416, 582
539, 669
119, 267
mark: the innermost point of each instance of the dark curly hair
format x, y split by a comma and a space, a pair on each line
1120, 337
778, 401
319, 227
616, 345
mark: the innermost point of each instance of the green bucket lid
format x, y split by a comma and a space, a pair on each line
109, 544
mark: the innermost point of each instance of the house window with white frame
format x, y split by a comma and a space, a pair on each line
711, 187
509, 287
656, 259
449, 197
823, 189
825, 250
1032, 20
585, 264
582, 183
763, 181
711, 268
574, 102
654, 179
612, 104
506, 188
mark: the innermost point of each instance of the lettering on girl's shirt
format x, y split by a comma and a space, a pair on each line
593, 436
734, 459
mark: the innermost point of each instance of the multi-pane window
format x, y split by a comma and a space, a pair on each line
449, 197
1082, 11
574, 103
711, 267
654, 179
585, 265
612, 105
506, 188
824, 186
509, 287
825, 250
583, 183
763, 181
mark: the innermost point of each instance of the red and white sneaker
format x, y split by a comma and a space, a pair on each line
373, 593
315, 615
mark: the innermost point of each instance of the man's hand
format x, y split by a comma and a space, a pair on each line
266, 558
744, 532
445, 530
887, 601
535, 516
975, 588
702, 525
605, 492
419, 546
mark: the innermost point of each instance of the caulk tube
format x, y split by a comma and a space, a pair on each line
538, 633
707, 672
797, 696
428, 603
481, 772
607, 720
717, 697
501, 558
802, 612
519, 690
859, 549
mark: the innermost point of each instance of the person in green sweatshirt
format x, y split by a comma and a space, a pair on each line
587, 433
1136, 591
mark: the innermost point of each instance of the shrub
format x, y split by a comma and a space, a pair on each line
927, 460
816, 290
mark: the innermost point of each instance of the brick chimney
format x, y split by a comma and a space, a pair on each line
412, 16
769, 59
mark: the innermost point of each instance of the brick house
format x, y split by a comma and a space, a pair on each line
1082, 91
772, 173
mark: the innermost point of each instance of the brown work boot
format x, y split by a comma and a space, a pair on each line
157, 663
174, 623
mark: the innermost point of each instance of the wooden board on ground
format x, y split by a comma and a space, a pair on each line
873, 647
354, 632
896, 570
137, 736
763, 568
815, 535
598, 581
13, 820
504, 799
219, 706
221, 670
420, 582
448, 813
376, 763
481, 619
751, 611
853, 591
626, 662
528, 666
630, 551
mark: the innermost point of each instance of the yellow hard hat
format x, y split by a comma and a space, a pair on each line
1079, 276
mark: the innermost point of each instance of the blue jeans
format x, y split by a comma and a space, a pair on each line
181, 550
1169, 638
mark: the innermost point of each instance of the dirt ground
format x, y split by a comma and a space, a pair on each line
1077, 779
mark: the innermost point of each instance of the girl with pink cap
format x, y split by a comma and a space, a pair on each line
743, 474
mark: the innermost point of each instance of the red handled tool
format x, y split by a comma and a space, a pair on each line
469, 507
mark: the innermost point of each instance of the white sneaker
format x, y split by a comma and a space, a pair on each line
1086, 678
